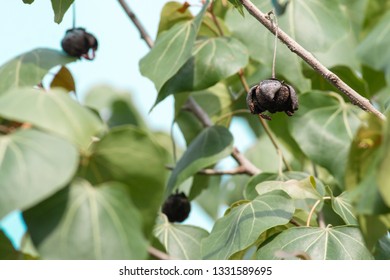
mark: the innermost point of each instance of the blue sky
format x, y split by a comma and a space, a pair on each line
26, 27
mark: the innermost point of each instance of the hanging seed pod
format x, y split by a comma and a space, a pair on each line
177, 207
79, 43
273, 96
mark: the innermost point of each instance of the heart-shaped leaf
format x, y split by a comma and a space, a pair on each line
338, 243
172, 49
325, 123
241, 227
373, 50
28, 69
60, 7
180, 241
34, 165
213, 144
303, 192
342, 206
87, 222
54, 111
213, 59
115, 107
132, 156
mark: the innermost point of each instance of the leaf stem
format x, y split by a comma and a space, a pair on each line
158, 254
332, 78
314, 207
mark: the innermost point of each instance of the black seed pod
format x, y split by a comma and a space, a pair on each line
176, 207
77, 42
272, 96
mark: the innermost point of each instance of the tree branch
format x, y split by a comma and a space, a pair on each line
355, 97
144, 35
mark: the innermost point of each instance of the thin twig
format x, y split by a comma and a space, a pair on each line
144, 35
158, 254
355, 97
215, 20
192, 106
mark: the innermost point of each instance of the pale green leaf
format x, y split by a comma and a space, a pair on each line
180, 241
132, 156
374, 50
338, 243
87, 222
54, 111
60, 7
325, 123
383, 175
29, 68
34, 165
241, 227
343, 207
114, 106
213, 59
213, 144
303, 192
172, 49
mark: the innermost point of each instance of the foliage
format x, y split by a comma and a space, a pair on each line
90, 177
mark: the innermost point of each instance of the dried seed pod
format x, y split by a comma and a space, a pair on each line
273, 96
177, 207
77, 42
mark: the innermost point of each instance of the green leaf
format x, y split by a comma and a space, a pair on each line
181, 241
241, 227
250, 191
374, 227
343, 207
28, 1
28, 69
171, 15
132, 156
8, 252
383, 176
213, 59
338, 243
172, 49
315, 24
60, 7
114, 106
213, 144
382, 249
325, 123
238, 5
34, 165
303, 192
373, 50
54, 111
87, 222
